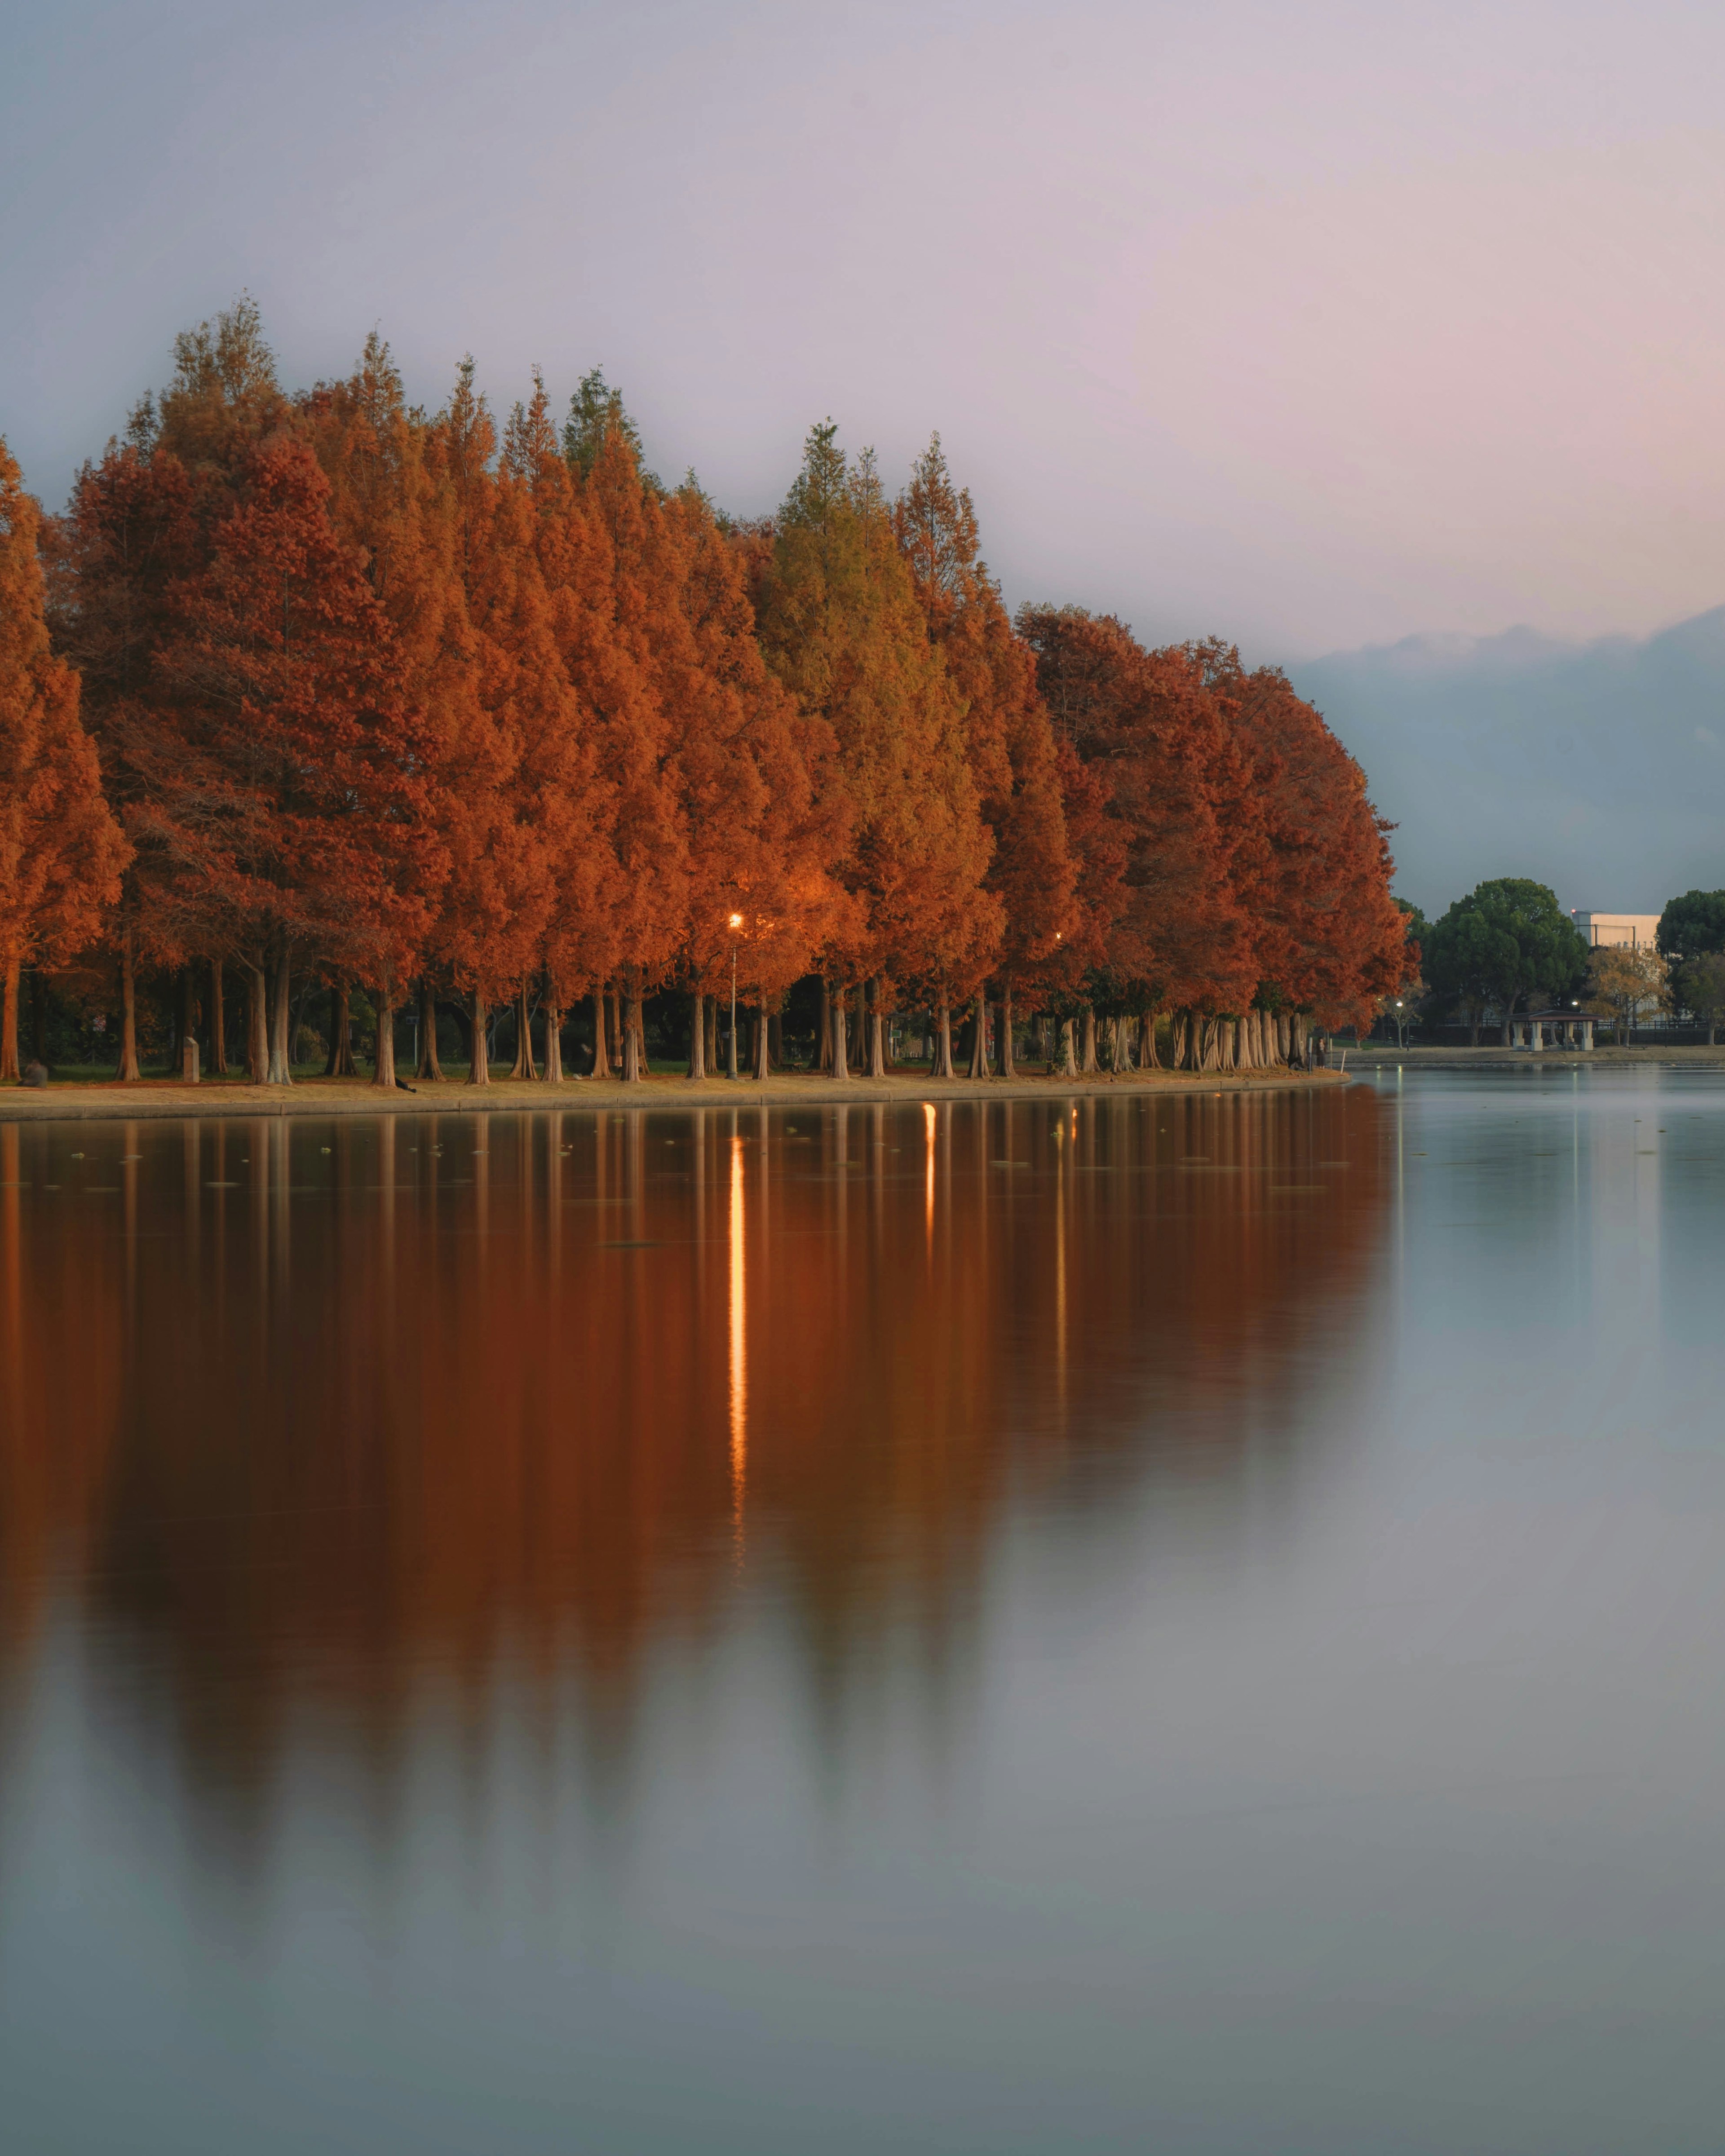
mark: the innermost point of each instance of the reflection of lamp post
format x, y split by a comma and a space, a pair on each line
736, 923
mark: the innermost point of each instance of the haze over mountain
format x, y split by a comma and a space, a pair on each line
1597, 767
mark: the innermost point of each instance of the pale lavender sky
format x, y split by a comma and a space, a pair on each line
1312, 325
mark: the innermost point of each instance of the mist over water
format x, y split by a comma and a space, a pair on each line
1153, 1619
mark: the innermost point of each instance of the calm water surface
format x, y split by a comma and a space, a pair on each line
1139, 1623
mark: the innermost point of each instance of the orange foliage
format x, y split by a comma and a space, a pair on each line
378, 696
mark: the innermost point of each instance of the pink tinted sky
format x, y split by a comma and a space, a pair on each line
1312, 325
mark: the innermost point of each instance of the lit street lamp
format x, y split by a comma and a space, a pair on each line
736, 923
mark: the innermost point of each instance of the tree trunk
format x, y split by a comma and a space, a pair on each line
257, 1024
1069, 1057
278, 1072
943, 1041
761, 1070
188, 1027
479, 1067
38, 1016
1118, 1061
877, 1025
217, 1022
383, 1072
339, 1062
697, 1038
426, 1065
635, 1044
775, 1041
1009, 1062
128, 1073
553, 1045
8, 1019
709, 1024
978, 1038
523, 1037
841, 1068
1148, 1059
601, 1061
614, 1051
824, 1050
296, 1017
1090, 1037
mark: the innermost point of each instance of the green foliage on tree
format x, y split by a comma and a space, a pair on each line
1692, 924
1508, 943
1698, 985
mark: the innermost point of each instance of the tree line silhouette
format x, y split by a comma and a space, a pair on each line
319, 688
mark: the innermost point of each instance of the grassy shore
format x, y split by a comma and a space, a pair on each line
312, 1094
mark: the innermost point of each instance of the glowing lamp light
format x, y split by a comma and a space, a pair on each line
736, 921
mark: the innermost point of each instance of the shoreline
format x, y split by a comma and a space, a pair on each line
166, 1098
1491, 1057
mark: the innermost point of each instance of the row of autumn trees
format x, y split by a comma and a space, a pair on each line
321, 687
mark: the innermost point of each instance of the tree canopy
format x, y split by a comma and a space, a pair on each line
1692, 924
339, 689
1508, 942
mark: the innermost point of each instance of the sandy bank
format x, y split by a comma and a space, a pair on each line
348, 1097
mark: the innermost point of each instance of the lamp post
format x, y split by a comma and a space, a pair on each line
736, 923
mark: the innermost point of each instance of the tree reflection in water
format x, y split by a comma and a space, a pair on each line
304, 1416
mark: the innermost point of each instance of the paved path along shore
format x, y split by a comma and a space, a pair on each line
347, 1096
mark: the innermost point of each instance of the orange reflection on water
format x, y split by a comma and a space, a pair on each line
338, 1402
739, 1346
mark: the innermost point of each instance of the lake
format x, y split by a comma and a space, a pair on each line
1164, 1621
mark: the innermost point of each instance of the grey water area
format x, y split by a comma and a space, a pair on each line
1174, 1624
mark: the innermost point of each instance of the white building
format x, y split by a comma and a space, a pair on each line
1613, 931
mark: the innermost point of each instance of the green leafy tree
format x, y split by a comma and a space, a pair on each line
1692, 924
1698, 985
1508, 942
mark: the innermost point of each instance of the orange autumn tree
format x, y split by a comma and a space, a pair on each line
299, 799
561, 810
136, 530
384, 505
497, 901
1175, 782
1009, 745
843, 629
129, 534
1330, 938
61, 851
608, 622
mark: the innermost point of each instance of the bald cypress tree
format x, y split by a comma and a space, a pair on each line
61, 851
1008, 740
843, 629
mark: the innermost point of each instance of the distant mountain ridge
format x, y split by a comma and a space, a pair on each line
1597, 767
